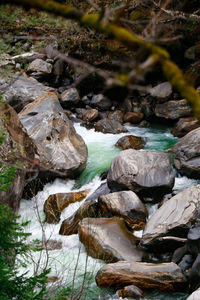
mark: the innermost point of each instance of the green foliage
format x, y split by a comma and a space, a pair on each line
13, 248
6, 178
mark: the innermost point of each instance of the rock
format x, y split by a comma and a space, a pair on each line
27, 57
90, 115
108, 239
131, 291
193, 240
173, 109
101, 102
164, 277
186, 262
109, 126
23, 91
187, 154
89, 209
116, 115
62, 151
133, 117
173, 218
144, 172
126, 205
185, 125
178, 254
195, 295
16, 151
130, 142
69, 98
56, 203
162, 91
39, 65
195, 274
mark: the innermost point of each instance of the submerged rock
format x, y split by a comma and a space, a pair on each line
144, 172
127, 205
62, 151
109, 126
187, 154
163, 277
56, 203
108, 239
130, 142
16, 151
173, 218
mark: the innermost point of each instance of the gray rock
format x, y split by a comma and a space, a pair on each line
39, 65
144, 172
173, 218
173, 110
69, 98
161, 91
187, 154
164, 277
109, 126
23, 91
108, 239
193, 240
195, 295
62, 151
126, 205
101, 102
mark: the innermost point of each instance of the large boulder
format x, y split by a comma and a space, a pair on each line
23, 91
62, 151
164, 277
173, 219
16, 151
56, 203
108, 239
145, 172
185, 125
187, 154
173, 109
126, 205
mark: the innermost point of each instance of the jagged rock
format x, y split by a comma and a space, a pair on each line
109, 126
185, 125
17, 151
89, 209
130, 142
126, 205
187, 154
162, 91
23, 91
101, 102
173, 109
173, 218
131, 291
193, 240
133, 117
144, 172
62, 151
56, 203
39, 65
69, 98
90, 115
164, 277
108, 239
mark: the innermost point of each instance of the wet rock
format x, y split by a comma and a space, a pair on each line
116, 115
144, 124
90, 115
89, 209
186, 262
195, 274
144, 172
162, 91
108, 239
133, 117
39, 65
69, 98
62, 151
56, 203
193, 240
173, 218
187, 154
126, 205
173, 109
16, 151
101, 102
130, 142
164, 277
185, 125
131, 291
179, 253
109, 126
23, 91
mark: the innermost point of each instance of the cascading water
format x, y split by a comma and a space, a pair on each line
70, 263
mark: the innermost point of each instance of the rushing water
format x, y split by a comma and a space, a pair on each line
70, 263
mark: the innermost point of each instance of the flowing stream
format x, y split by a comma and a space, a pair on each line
70, 264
